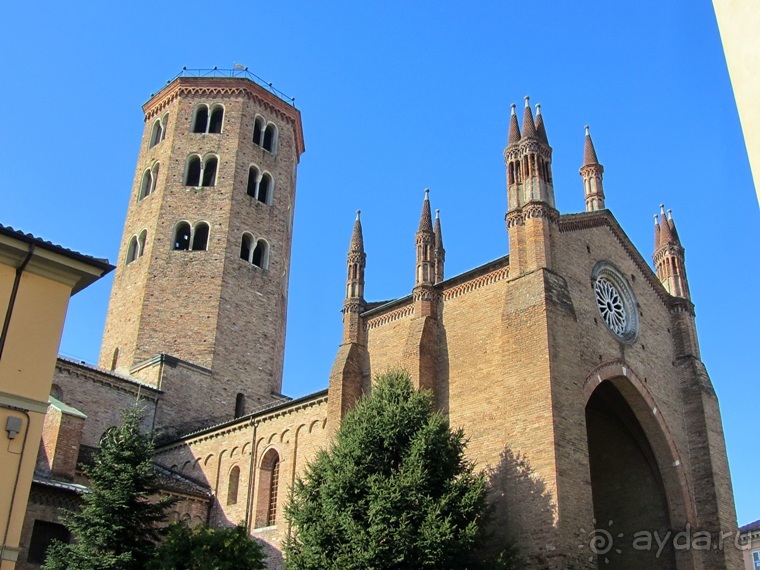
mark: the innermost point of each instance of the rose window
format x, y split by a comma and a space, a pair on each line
615, 301
610, 305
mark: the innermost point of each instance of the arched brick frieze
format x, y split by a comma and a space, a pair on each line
640, 399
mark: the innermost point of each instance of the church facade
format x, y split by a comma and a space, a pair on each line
572, 366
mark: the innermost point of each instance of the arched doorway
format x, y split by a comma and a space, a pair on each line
629, 495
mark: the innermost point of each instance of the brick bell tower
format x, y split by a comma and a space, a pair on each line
199, 300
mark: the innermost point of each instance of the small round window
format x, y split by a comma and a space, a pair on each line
615, 301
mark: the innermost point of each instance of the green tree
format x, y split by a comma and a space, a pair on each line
204, 548
116, 525
394, 491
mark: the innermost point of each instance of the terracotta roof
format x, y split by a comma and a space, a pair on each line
173, 481
55, 248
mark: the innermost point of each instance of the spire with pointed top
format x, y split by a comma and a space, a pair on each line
426, 220
589, 153
514, 128
425, 242
528, 127
669, 255
357, 239
592, 174
540, 129
439, 253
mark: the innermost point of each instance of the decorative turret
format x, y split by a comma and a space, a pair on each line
354, 303
425, 267
530, 193
592, 174
439, 253
669, 255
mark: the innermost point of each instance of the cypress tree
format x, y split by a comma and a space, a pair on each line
116, 526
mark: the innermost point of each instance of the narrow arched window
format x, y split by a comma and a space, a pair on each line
156, 134
260, 257
270, 137
209, 171
193, 171
57, 392
201, 119
216, 120
114, 360
141, 242
181, 240
239, 405
246, 245
132, 250
273, 488
146, 185
269, 479
258, 127
265, 187
200, 236
253, 180
154, 172
234, 484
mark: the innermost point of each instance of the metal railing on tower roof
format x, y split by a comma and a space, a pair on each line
237, 71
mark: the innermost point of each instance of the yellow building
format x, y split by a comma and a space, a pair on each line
36, 280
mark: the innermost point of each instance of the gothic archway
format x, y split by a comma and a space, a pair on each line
636, 476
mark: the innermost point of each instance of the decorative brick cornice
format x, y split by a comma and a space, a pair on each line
514, 218
540, 210
679, 305
425, 293
381, 320
354, 306
226, 87
487, 279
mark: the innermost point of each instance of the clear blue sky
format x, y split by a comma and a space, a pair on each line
395, 99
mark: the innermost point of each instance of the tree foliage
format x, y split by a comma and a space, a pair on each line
116, 526
204, 548
394, 491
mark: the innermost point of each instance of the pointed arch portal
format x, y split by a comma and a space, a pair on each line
637, 482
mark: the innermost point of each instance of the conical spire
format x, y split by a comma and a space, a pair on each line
357, 239
528, 127
540, 129
672, 225
426, 220
589, 154
666, 232
514, 128
656, 232
437, 231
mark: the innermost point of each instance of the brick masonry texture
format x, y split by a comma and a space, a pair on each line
569, 422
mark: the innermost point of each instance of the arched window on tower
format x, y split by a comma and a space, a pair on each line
193, 171
156, 134
200, 123
146, 185
114, 360
200, 236
270, 138
246, 247
253, 181
239, 405
216, 119
265, 188
260, 256
181, 239
141, 242
133, 250
209, 171
258, 128
269, 479
232, 487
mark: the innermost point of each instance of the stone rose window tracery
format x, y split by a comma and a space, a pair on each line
615, 301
